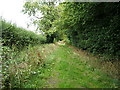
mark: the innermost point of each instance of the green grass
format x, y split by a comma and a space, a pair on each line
60, 67
75, 72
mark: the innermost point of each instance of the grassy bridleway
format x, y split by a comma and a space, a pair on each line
68, 67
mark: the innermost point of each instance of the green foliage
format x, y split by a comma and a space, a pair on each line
90, 26
45, 22
93, 26
19, 66
41, 66
18, 37
25, 68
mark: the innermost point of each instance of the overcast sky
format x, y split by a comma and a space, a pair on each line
11, 10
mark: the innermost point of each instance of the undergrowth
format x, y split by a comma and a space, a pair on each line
52, 66
19, 66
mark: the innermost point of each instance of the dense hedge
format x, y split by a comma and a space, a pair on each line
19, 37
93, 26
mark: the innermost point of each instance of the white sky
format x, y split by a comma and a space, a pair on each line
11, 10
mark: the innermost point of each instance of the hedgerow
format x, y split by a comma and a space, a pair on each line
19, 37
93, 26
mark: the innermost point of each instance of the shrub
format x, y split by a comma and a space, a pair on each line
19, 37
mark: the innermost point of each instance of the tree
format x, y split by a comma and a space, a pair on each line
49, 13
